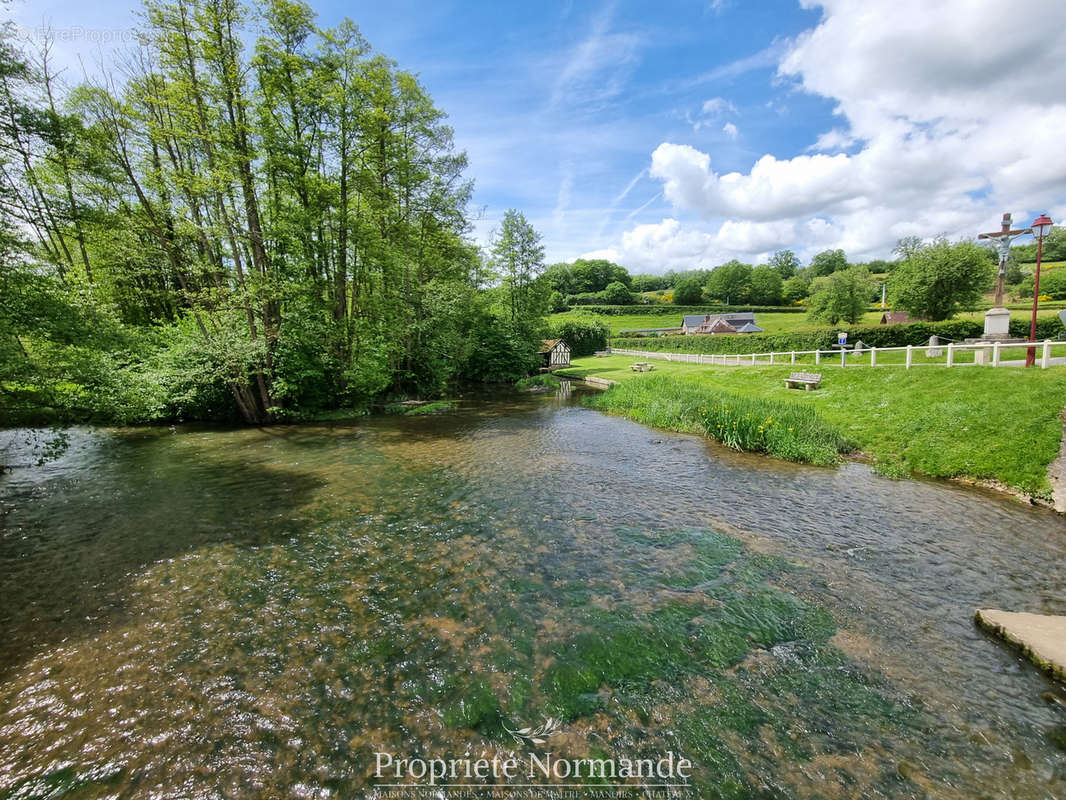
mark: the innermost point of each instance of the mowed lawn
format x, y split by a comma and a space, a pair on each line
770, 322
995, 424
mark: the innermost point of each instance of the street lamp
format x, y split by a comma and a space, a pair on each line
1041, 228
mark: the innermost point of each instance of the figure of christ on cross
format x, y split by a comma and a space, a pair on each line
1004, 236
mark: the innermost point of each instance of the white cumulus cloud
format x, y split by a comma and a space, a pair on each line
950, 117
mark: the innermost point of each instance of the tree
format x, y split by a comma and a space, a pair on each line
730, 283
795, 289
649, 283
518, 257
907, 246
688, 292
766, 286
617, 294
1053, 284
593, 275
1054, 248
560, 278
936, 280
829, 261
840, 296
784, 263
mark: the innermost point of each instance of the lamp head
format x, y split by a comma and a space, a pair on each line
1042, 226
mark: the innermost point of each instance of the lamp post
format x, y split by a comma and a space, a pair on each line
1041, 228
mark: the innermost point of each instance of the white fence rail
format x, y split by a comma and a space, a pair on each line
990, 354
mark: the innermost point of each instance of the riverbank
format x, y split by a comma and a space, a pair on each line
998, 427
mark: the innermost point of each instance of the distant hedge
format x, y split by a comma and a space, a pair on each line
679, 311
915, 333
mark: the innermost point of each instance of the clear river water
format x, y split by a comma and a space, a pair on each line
200, 612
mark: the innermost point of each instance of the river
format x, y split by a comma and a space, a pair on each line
198, 612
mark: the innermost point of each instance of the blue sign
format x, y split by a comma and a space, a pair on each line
842, 338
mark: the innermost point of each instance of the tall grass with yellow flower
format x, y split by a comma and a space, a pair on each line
782, 429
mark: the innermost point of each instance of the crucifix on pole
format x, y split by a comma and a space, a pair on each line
1003, 238
997, 318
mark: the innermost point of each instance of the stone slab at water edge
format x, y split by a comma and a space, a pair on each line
1042, 637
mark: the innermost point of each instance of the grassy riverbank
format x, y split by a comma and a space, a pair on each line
991, 424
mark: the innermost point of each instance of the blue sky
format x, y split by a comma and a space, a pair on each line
681, 134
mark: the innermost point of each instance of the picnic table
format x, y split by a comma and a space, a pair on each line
642, 366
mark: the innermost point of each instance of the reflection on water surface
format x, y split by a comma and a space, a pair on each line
219, 613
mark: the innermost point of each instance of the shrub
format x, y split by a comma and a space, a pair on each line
916, 333
617, 293
534, 381
584, 336
688, 292
679, 311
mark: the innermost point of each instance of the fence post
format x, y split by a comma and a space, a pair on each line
995, 354
771, 356
951, 353
793, 361
817, 356
1045, 356
873, 356
910, 355
753, 359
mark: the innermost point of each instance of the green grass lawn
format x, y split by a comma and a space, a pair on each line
769, 322
996, 424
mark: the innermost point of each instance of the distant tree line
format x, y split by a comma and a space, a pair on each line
932, 281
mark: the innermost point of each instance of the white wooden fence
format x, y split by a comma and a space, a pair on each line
991, 354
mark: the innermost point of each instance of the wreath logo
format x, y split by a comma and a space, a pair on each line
538, 735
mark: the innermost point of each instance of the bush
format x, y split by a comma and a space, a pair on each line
584, 336
547, 380
916, 334
617, 293
1054, 284
688, 291
585, 299
678, 311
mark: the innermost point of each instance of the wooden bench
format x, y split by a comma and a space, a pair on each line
642, 366
808, 380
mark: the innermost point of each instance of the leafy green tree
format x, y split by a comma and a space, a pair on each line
593, 275
1053, 283
649, 283
518, 256
1054, 248
730, 283
795, 289
557, 303
907, 247
784, 263
828, 261
937, 280
840, 296
560, 278
688, 292
618, 294
584, 336
766, 286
